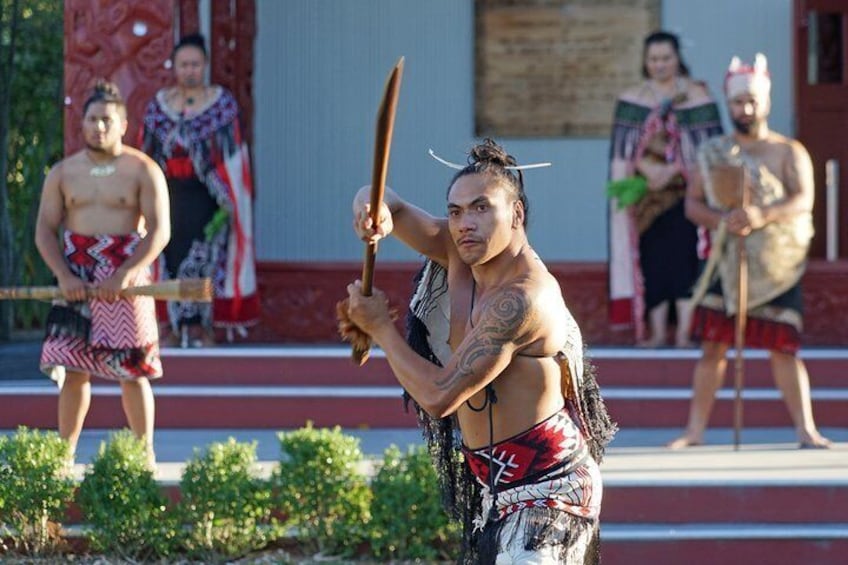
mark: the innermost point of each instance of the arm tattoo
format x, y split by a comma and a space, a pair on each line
501, 323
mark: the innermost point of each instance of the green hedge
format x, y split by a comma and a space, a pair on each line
318, 501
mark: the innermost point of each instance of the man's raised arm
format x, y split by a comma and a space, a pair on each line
416, 228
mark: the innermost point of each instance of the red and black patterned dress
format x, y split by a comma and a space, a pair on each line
207, 167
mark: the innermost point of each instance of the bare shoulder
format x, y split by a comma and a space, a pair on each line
145, 164
133, 154
547, 319
68, 166
56, 171
787, 147
797, 148
698, 92
512, 302
637, 93
538, 295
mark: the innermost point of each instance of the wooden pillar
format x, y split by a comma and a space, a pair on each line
233, 31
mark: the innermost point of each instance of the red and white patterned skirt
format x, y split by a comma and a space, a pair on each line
114, 340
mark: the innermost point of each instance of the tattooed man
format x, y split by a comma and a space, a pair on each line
513, 378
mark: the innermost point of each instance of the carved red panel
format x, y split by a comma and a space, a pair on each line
298, 300
189, 17
233, 35
125, 42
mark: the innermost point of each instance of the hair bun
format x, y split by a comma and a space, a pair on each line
491, 152
191, 40
104, 88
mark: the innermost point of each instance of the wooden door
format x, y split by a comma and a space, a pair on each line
821, 89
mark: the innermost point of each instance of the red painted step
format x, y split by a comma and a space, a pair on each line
745, 503
243, 412
730, 552
369, 407
827, 371
325, 366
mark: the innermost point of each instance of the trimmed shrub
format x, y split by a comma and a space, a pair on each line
35, 487
407, 518
321, 490
225, 503
124, 505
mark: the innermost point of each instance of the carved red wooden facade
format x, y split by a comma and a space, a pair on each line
189, 15
231, 50
298, 300
125, 42
130, 41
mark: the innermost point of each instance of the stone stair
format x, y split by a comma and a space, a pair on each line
768, 502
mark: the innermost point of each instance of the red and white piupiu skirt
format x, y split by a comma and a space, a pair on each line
116, 340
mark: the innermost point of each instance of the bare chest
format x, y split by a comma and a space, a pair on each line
117, 190
460, 284
772, 157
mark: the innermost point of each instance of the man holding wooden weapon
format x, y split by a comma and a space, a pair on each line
532, 423
103, 219
754, 189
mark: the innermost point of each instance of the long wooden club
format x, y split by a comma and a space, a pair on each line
185, 290
382, 148
741, 321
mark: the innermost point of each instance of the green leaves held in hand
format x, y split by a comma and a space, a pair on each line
216, 224
627, 191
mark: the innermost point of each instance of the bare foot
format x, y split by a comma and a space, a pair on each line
684, 441
170, 340
813, 440
651, 343
683, 342
201, 337
151, 460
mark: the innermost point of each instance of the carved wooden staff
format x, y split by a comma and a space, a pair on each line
741, 320
382, 147
184, 290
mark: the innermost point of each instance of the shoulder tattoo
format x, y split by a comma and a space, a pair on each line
502, 322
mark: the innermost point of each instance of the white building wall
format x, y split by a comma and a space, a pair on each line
320, 69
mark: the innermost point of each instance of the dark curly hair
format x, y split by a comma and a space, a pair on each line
490, 158
107, 93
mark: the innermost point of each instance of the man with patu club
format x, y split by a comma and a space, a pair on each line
532, 423
102, 220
